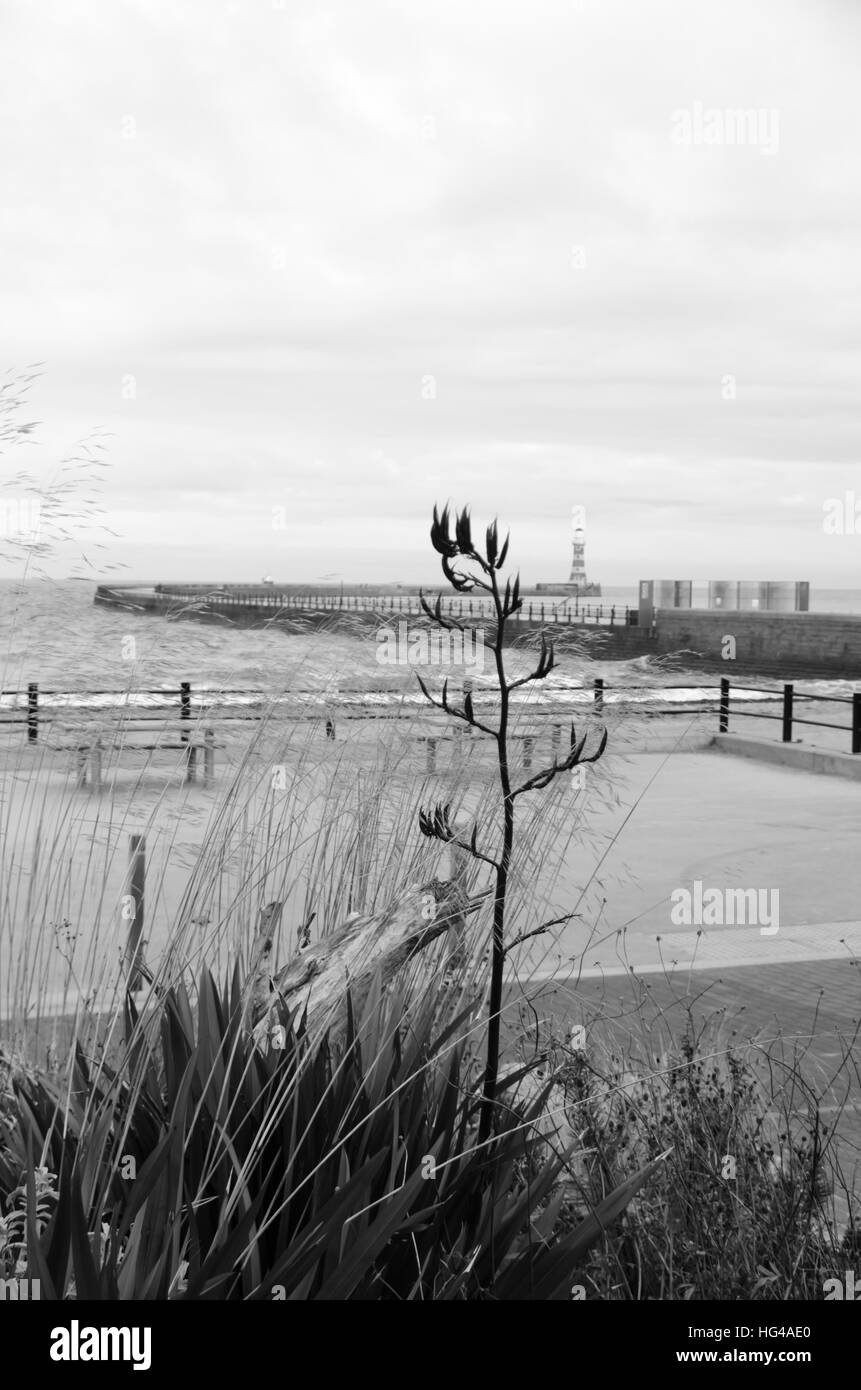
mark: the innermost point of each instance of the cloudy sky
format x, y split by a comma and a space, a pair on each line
331, 263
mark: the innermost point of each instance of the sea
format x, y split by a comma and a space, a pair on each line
85, 655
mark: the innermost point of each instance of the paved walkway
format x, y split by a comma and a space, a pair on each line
645, 827
710, 948
804, 1015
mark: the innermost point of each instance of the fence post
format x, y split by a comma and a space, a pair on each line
528, 745
137, 880
209, 757
856, 722
467, 695
787, 713
723, 722
32, 711
599, 695
557, 738
96, 766
431, 751
184, 717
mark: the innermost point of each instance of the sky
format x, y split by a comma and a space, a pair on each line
305, 270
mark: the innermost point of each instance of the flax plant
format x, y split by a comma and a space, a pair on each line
483, 575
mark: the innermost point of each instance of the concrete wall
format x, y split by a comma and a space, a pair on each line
808, 643
824, 760
608, 643
784, 644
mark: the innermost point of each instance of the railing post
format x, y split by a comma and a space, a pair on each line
599, 695
32, 712
135, 899
209, 758
723, 721
856, 722
528, 745
96, 766
787, 713
185, 737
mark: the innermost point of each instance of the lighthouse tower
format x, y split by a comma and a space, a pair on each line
577, 585
578, 561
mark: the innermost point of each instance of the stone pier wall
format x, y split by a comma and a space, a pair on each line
786, 643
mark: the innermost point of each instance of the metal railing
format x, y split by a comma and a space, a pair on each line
788, 717
567, 612
185, 704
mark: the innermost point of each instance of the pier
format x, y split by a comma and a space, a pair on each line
787, 645
265, 604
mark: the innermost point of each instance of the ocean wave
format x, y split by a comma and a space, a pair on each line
213, 697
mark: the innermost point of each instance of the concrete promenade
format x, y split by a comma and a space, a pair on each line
803, 1015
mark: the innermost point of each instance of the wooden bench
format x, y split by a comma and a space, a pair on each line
528, 739
90, 753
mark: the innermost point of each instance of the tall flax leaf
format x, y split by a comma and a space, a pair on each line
358, 1263
547, 1276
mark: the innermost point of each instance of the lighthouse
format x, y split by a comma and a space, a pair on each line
578, 561
577, 585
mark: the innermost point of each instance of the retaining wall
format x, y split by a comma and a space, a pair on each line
807, 643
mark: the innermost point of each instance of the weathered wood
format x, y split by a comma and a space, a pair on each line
258, 986
137, 888
96, 766
209, 757
315, 981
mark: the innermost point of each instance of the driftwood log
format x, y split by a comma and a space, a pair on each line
314, 983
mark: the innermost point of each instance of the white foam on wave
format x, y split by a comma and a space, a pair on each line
213, 697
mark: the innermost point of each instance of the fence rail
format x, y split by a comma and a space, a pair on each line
186, 704
788, 717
